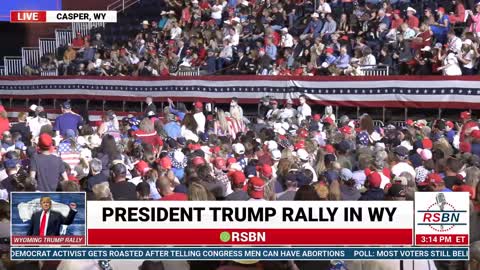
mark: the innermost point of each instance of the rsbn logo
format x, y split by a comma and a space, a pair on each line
441, 215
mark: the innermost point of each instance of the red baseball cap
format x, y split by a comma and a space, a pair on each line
328, 120
266, 170
317, 117
299, 145
449, 124
475, 134
346, 130
215, 149
194, 147
45, 141
197, 161
441, 9
231, 160
409, 122
198, 105
427, 143
165, 163
237, 177
256, 188
329, 149
220, 163
434, 178
303, 133
374, 178
142, 167
465, 115
329, 50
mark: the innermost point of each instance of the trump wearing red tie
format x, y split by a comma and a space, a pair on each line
48, 222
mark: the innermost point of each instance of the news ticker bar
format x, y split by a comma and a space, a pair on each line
239, 253
62, 16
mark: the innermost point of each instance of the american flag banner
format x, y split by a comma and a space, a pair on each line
368, 91
69, 154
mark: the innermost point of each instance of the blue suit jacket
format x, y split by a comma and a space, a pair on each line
55, 221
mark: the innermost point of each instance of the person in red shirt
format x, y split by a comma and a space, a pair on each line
459, 15
165, 189
78, 42
4, 123
412, 20
270, 33
423, 38
397, 20
147, 134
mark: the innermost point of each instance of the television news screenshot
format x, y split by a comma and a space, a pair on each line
240, 135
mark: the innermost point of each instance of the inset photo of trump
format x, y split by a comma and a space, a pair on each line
46, 219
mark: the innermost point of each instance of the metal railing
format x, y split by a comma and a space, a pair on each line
47, 46
2, 71
121, 5
31, 56
84, 27
375, 70
187, 71
63, 37
13, 65
49, 72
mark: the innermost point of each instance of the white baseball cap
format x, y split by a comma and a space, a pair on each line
276, 154
239, 149
302, 154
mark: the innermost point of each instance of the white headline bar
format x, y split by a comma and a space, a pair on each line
249, 215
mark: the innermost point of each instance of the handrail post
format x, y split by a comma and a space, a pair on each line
123, 5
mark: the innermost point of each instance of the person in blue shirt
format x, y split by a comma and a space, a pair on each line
382, 18
172, 128
343, 60
68, 120
181, 111
313, 28
271, 49
441, 26
163, 20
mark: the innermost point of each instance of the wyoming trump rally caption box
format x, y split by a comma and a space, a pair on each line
53, 218
140, 223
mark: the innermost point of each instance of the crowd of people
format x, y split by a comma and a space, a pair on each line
286, 37
291, 152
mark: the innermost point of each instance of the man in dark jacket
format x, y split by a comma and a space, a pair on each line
48, 222
150, 106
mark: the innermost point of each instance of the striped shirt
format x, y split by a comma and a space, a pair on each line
69, 155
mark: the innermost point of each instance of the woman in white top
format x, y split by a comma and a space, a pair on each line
324, 8
37, 123
189, 128
467, 57
217, 12
368, 60
176, 31
450, 66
